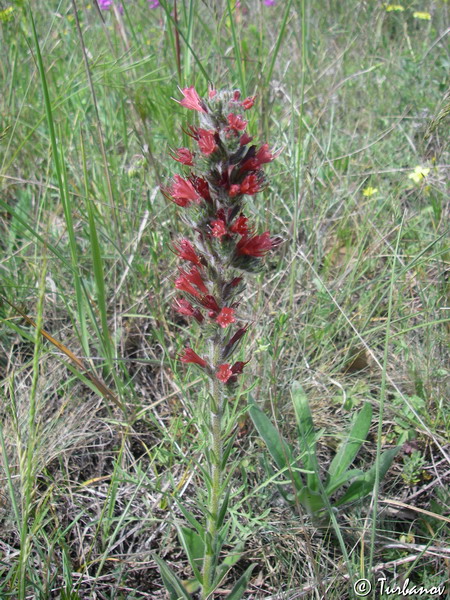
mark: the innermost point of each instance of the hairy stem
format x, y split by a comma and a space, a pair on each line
215, 473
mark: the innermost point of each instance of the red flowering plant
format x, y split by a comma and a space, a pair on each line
224, 246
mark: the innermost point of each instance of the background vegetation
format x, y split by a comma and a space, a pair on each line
94, 445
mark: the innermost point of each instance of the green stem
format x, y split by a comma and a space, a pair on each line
215, 473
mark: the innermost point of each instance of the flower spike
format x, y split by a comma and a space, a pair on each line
226, 169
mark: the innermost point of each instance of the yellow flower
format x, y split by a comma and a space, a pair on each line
419, 173
7, 14
369, 191
425, 16
393, 7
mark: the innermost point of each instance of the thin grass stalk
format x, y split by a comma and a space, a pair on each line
27, 474
177, 40
383, 385
187, 65
299, 147
167, 9
97, 117
237, 51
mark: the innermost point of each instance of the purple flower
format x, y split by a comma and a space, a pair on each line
153, 3
106, 5
270, 2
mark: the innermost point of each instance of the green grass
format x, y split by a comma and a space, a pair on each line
353, 305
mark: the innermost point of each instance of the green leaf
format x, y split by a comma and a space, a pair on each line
307, 435
276, 445
349, 448
227, 450
271, 473
223, 508
228, 563
190, 517
312, 501
171, 582
338, 482
194, 547
364, 484
241, 585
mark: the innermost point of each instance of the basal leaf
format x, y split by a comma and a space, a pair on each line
277, 447
364, 485
349, 447
338, 482
307, 434
312, 501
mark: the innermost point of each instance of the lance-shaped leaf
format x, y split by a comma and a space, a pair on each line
307, 435
364, 485
276, 445
351, 445
339, 481
312, 501
230, 560
241, 585
172, 583
194, 547
190, 517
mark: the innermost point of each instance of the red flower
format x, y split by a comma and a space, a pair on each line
210, 303
240, 225
235, 282
186, 251
236, 95
236, 122
183, 192
250, 164
250, 185
231, 344
238, 367
245, 139
193, 132
182, 284
218, 228
234, 190
201, 186
258, 245
264, 155
192, 100
183, 156
237, 336
224, 373
261, 157
211, 92
195, 278
185, 308
206, 141
225, 317
248, 102
190, 356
